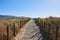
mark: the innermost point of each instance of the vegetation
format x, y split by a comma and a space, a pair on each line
18, 23
49, 25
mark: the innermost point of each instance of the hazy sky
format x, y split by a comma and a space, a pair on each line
31, 8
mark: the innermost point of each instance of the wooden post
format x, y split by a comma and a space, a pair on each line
0, 36
7, 33
56, 33
20, 24
25, 21
44, 26
14, 30
48, 31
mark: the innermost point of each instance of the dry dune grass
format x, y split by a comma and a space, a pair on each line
54, 22
10, 22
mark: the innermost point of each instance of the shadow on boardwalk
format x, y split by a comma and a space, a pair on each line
44, 35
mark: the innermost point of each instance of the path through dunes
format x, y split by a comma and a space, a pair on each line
29, 32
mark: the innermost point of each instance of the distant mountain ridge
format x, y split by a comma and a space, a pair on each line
7, 16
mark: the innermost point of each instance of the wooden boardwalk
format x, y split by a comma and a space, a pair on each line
29, 32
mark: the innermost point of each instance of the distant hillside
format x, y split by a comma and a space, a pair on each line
7, 16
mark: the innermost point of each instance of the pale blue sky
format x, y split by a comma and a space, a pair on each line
31, 8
